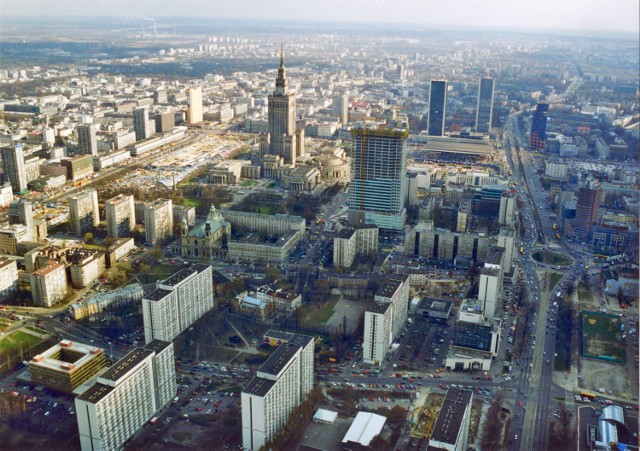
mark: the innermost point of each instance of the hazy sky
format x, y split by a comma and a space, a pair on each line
585, 15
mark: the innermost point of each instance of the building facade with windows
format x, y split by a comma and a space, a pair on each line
83, 211
121, 216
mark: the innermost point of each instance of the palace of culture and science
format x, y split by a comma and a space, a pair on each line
284, 138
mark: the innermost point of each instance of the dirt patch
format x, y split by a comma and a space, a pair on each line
349, 309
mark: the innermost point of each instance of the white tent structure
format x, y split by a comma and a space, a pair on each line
364, 428
325, 416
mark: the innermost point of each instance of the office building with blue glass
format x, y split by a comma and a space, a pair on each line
437, 107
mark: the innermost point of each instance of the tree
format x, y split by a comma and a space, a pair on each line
272, 274
155, 252
396, 417
88, 238
378, 442
620, 295
493, 425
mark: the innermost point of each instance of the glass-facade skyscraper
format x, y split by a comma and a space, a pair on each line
484, 111
539, 127
437, 107
378, 177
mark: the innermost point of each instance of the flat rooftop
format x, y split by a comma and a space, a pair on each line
95, 393
126, 364
434, 304
178, 277
388, 287
451, 415
378, 307
70, 356
279, 359
157, 346
158, 294
278, 335
259, 386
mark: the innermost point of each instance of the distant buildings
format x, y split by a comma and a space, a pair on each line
451, 429
126, 396
341, 107
281, 384
121, 217
14, 168
87, 140
194, 112
484, 110
83, 211
538, 127
141, 124
66, 366
177, 303
378, 177
437, 107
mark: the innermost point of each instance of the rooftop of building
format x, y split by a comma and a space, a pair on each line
281, 356
278, 334
449, 421
495, 254
346, 234
279, 293
388, 287
259, 386
126, 364
4, 261
120, 198
178, 277
378, 307
95, 393
70, 356
435, 304
158, 294
157, 345
50, 267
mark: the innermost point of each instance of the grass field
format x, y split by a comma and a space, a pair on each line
191, 202
324, 313
554, 278
551, 258
13, 341
601, 336
159, 272
247, 183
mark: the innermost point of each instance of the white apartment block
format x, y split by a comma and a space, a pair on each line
158, 220
126, 396
86, 267
6, 195
49, 284
177, 303
489, 290
351, 242
394, 290
83, 211
508, 206
377, 333
121, 217
451, 429
8, 278
281, 384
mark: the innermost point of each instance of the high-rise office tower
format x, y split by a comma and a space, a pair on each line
121, 216
539, 127
14, 169
507, 212
87, 141
281, 384
484, 111
194, 96
83, 211
587, 208
437, 107
341, 107
158, 220
282, 137
126, 396
141, 123
378, 177
177, 303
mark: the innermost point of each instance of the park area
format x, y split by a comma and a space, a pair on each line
602, 337
16, 340
551, 258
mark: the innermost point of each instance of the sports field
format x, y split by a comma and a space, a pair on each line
601, 337
15, 339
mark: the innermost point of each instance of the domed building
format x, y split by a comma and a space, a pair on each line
207, 240
333, 165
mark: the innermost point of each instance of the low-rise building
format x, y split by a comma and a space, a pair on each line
96, 304
278, 299
86, 266
66, 366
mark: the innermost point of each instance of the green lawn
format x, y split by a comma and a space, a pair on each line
554, 278
551, 258
248, 183
325, 312
159, 271
15, 339
37, 330
191, 202
601, 336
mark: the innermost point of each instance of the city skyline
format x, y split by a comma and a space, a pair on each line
620, 16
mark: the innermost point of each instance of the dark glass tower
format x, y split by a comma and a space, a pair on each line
539, 127
484, 111
437, 107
